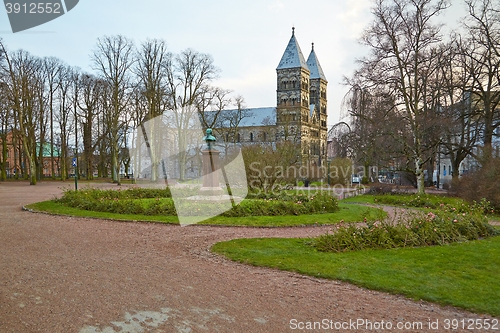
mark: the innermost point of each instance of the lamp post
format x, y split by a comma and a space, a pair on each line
75, 159
75, 165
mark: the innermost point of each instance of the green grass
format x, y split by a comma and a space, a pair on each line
494, 218
53, 207
347, 212
361, 199
407, 200
464, 275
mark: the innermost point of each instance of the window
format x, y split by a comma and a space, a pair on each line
239, 137
251, 137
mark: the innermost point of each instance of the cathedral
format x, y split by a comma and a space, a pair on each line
300, 114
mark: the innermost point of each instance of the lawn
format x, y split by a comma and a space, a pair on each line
53, 207
407, 200
347, 213
464, 275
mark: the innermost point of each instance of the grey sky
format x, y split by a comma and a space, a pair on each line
245, 38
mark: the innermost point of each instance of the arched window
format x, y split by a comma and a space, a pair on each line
239, 137
251, 137
313, 93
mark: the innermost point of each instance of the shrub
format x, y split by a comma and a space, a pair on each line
483, 183
292, 205
97, 194
421, 201
381, 188
340, 171
130, 201
442, 227
267, 166
141, 202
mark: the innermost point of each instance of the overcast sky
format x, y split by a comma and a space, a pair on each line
245, 38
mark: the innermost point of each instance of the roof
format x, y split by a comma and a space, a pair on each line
311, 109
46, 152
260, 117
293, 57
314, 66
265, 116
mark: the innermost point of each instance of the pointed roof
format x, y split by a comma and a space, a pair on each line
293, 57
314, 66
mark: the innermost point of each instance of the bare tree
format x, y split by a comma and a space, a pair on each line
52, 67
42, 99
211, 104
188, 75
229, 121
461, 121
403, 41
90, 104
5, 122
19, 71
151, 70
113, 58
481, 48
370, 135
64, 116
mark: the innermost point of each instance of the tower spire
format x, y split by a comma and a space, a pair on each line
292, 57
314, 66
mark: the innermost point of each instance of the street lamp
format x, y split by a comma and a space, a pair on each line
75, 159
75, 165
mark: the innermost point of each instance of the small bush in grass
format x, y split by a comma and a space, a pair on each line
97, 194
294, 205
298, 205
151, 203
435, 228
130, 201
482, 183
381, 188
421, 201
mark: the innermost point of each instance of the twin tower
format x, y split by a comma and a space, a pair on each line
302, 102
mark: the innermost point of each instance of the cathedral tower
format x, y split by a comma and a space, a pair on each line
318, 101
301, 102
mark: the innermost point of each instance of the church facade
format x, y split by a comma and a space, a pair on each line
300, 114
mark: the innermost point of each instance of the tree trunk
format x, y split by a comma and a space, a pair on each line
3, 172
419, 172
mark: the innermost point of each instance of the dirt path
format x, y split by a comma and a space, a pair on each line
63, 274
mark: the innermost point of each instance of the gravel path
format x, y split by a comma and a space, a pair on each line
64, 274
